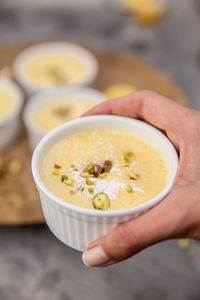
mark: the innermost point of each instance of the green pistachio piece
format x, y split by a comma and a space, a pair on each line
68, 182
57, 75
64, 178
129, 189
62, 112
127, 157
104, 175
57, 166
90, 190
101, 201
89, 169
88, 181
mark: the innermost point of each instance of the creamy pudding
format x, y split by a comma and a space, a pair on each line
7, 102
104, 170
51, 114
55, 69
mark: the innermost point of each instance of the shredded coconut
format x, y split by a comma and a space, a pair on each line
110, 187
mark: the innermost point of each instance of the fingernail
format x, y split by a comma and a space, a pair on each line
95, 257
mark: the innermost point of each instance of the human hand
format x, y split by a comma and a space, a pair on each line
178, 215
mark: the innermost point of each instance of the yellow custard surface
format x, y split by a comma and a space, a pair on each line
55, 69
54, 113
6, 102
138, 171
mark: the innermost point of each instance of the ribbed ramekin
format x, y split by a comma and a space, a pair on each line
10, 124
76, 226
30, 87
35, 133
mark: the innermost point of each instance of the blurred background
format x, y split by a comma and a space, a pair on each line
33, 264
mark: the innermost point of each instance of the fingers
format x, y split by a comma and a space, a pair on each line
160, 223
150, 107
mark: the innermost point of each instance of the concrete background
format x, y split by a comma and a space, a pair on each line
33, 264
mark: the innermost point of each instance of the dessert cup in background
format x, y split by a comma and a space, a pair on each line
52, 64
77, 226
38, 118
11, 101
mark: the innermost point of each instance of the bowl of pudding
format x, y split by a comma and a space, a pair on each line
95, 172
11, 101
55, 106
54, 64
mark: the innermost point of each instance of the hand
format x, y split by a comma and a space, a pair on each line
178, 215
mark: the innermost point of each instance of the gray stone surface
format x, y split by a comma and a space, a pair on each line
33, 264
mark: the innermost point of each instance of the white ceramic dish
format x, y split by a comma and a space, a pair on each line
76, 51
10, 124
76, 226
50, 95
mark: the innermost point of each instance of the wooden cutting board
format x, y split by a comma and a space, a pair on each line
19, 201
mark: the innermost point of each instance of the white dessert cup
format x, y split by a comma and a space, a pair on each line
77, 226
35, 133
10, 124
30, 87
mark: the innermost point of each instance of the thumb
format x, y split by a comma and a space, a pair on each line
129, 238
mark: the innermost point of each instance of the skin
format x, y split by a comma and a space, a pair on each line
178, 215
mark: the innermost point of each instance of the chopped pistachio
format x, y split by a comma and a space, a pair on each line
104, 175
101, 201
55, 172
68, 182
82, 188
64, 177
62, 112
127, 157
85, 175
129, 189
57, 75
107, 166
56, 166
88, 181
134, 176
89, 169
72, 166
14, 167
75, 169
90, 190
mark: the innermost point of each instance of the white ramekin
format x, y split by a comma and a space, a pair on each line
77, 226
29, 86
35, 134
10, 124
